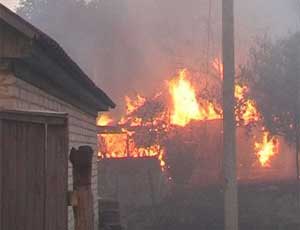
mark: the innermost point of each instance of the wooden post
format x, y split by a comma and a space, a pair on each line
82, 195
297, 148
229, 164
297, 124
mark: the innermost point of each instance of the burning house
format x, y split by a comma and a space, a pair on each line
181, 128
151, 126
39, 80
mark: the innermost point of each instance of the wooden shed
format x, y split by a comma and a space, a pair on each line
39, 86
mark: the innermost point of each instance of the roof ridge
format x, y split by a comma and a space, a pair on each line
49, 44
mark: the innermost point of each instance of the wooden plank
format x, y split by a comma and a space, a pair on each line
35, 176
9, 192
57, 178
21, 167
21, 155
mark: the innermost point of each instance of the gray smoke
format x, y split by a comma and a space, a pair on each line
129, 46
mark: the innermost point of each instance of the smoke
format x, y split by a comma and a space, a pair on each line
129, 46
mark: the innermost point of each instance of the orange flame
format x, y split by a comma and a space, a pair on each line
240, 91
266, 149
218, 67
250, 112
248, 107
112, 145
121, 145
104, 120
132, 105
185, 105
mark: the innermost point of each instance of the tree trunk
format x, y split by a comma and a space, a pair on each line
229, 167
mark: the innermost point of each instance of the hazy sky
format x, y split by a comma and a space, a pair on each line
141, 43
9, 3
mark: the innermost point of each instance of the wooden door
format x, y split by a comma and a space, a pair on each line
33, 173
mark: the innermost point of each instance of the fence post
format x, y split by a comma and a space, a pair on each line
81, 160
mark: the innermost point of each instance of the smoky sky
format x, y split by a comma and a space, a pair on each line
137, 45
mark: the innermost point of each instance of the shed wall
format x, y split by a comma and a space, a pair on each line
18, 94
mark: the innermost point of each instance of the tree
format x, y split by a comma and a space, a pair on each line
273, 76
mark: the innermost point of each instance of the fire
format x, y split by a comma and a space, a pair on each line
122, 145
266, 149
185, 105
240, 91
113, 145
142, 131
132, 105
104, 120
248, 110
218, 67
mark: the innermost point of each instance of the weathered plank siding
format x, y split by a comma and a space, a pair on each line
34, 172
18, 94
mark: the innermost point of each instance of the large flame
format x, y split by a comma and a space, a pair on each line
113, 145
266, 149
104, 120
185, 105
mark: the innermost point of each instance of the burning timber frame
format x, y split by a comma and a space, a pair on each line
120, 130
114, 130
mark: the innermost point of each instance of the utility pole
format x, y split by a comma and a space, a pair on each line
229, 161
208, 36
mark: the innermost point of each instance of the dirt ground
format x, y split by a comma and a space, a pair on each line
262, 206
